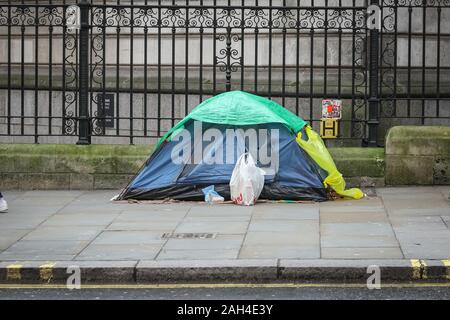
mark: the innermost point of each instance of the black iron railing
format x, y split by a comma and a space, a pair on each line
135, 68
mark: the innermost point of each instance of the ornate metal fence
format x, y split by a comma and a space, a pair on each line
134, 68
414, 71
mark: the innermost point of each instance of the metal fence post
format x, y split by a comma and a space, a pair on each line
83, 112
373, 100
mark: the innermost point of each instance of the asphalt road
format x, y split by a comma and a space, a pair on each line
397, 292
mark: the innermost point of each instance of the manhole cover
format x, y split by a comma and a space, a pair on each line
188, 235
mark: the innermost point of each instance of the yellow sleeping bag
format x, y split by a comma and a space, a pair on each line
316, 149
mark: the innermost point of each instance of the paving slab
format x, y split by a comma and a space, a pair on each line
416, 204
425, 228
119, 252
223, 227
276, 251
444, 190
351, 235
231, 218
163, 226
88, 210
428, 250
446, 220
43, 250
10, 236
354, 217
95, 196
405, 190
281, 226
155, 207
41, 200
401, 220
362, 253
438, 211
44, 233
96, 208
220, 242
219, 210
53, 194
357, 241
151, 215
424, 235
80, 219
9, 221
44, 256
360, 229
200, 254
31, 209
291, 211
309, 237
425, 244
129, 237
148, 207
11, 195
368, 205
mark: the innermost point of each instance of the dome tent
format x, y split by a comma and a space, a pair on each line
202, 149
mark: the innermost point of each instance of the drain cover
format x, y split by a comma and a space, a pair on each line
188, 235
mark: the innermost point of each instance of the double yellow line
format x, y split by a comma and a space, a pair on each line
14, 271
420, 269
225, 285
447, 266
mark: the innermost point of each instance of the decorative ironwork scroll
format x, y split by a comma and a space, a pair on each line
228, 59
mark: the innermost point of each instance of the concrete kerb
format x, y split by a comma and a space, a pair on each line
345, 270
201, 271
60, 271
222, 271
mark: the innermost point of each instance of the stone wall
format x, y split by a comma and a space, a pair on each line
418, 155
58, 166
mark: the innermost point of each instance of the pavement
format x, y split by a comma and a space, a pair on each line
405, 231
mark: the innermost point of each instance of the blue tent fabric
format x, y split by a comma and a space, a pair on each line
297, 177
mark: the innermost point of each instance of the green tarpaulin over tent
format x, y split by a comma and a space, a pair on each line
240, 108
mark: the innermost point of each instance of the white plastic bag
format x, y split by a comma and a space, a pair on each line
247, 181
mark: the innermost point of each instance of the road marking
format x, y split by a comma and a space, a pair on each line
416, 266
225, 285
419, 269
447, 267
424, 269
46, 271
13, 272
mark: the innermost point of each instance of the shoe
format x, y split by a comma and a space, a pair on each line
3, 205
